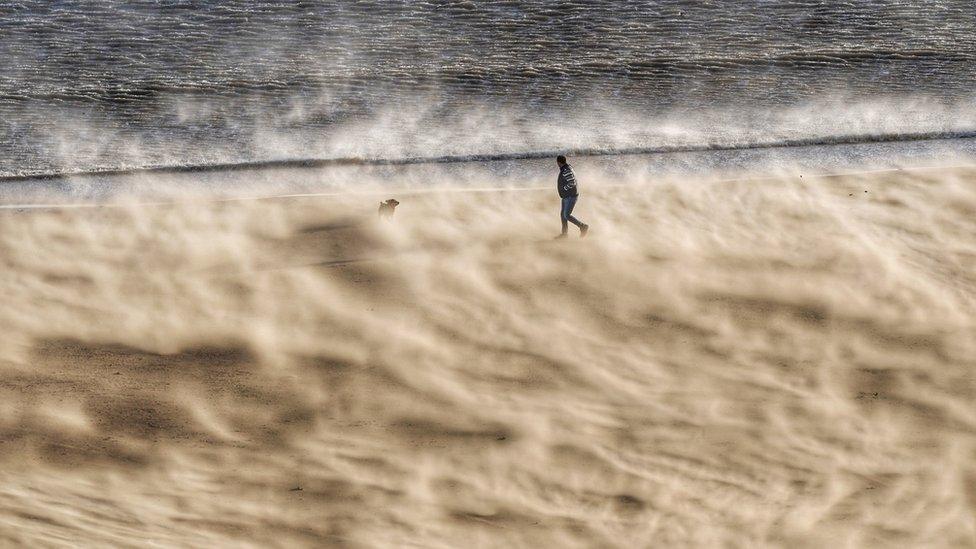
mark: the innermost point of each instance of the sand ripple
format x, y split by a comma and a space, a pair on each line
779, 362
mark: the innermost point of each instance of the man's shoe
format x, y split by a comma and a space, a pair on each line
583, 230
560, 237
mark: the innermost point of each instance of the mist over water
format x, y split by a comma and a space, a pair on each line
117, 84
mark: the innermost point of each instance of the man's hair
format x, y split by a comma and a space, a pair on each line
561, 159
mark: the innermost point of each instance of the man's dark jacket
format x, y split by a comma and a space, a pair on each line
566, 184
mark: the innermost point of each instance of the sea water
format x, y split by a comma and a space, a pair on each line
112, 84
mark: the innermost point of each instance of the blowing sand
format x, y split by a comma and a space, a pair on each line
782, 362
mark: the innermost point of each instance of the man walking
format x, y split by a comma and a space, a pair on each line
568, 192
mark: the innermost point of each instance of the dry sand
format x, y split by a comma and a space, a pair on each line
786, 362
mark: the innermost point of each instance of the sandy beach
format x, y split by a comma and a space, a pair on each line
783, 362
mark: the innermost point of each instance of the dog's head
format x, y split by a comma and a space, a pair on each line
393, 203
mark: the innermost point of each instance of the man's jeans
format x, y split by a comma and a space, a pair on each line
566, 214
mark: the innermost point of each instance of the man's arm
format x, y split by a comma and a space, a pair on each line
567, 180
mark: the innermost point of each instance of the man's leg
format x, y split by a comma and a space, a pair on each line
568, 216
565, 211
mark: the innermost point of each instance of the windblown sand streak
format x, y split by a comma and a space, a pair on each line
783, 362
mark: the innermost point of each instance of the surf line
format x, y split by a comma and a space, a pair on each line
254, 198
83, 205
366, 161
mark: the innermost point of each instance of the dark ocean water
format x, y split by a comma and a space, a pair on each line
93, 85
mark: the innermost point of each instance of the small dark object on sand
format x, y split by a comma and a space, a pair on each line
387, 208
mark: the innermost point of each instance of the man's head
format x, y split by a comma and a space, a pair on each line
561, 160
